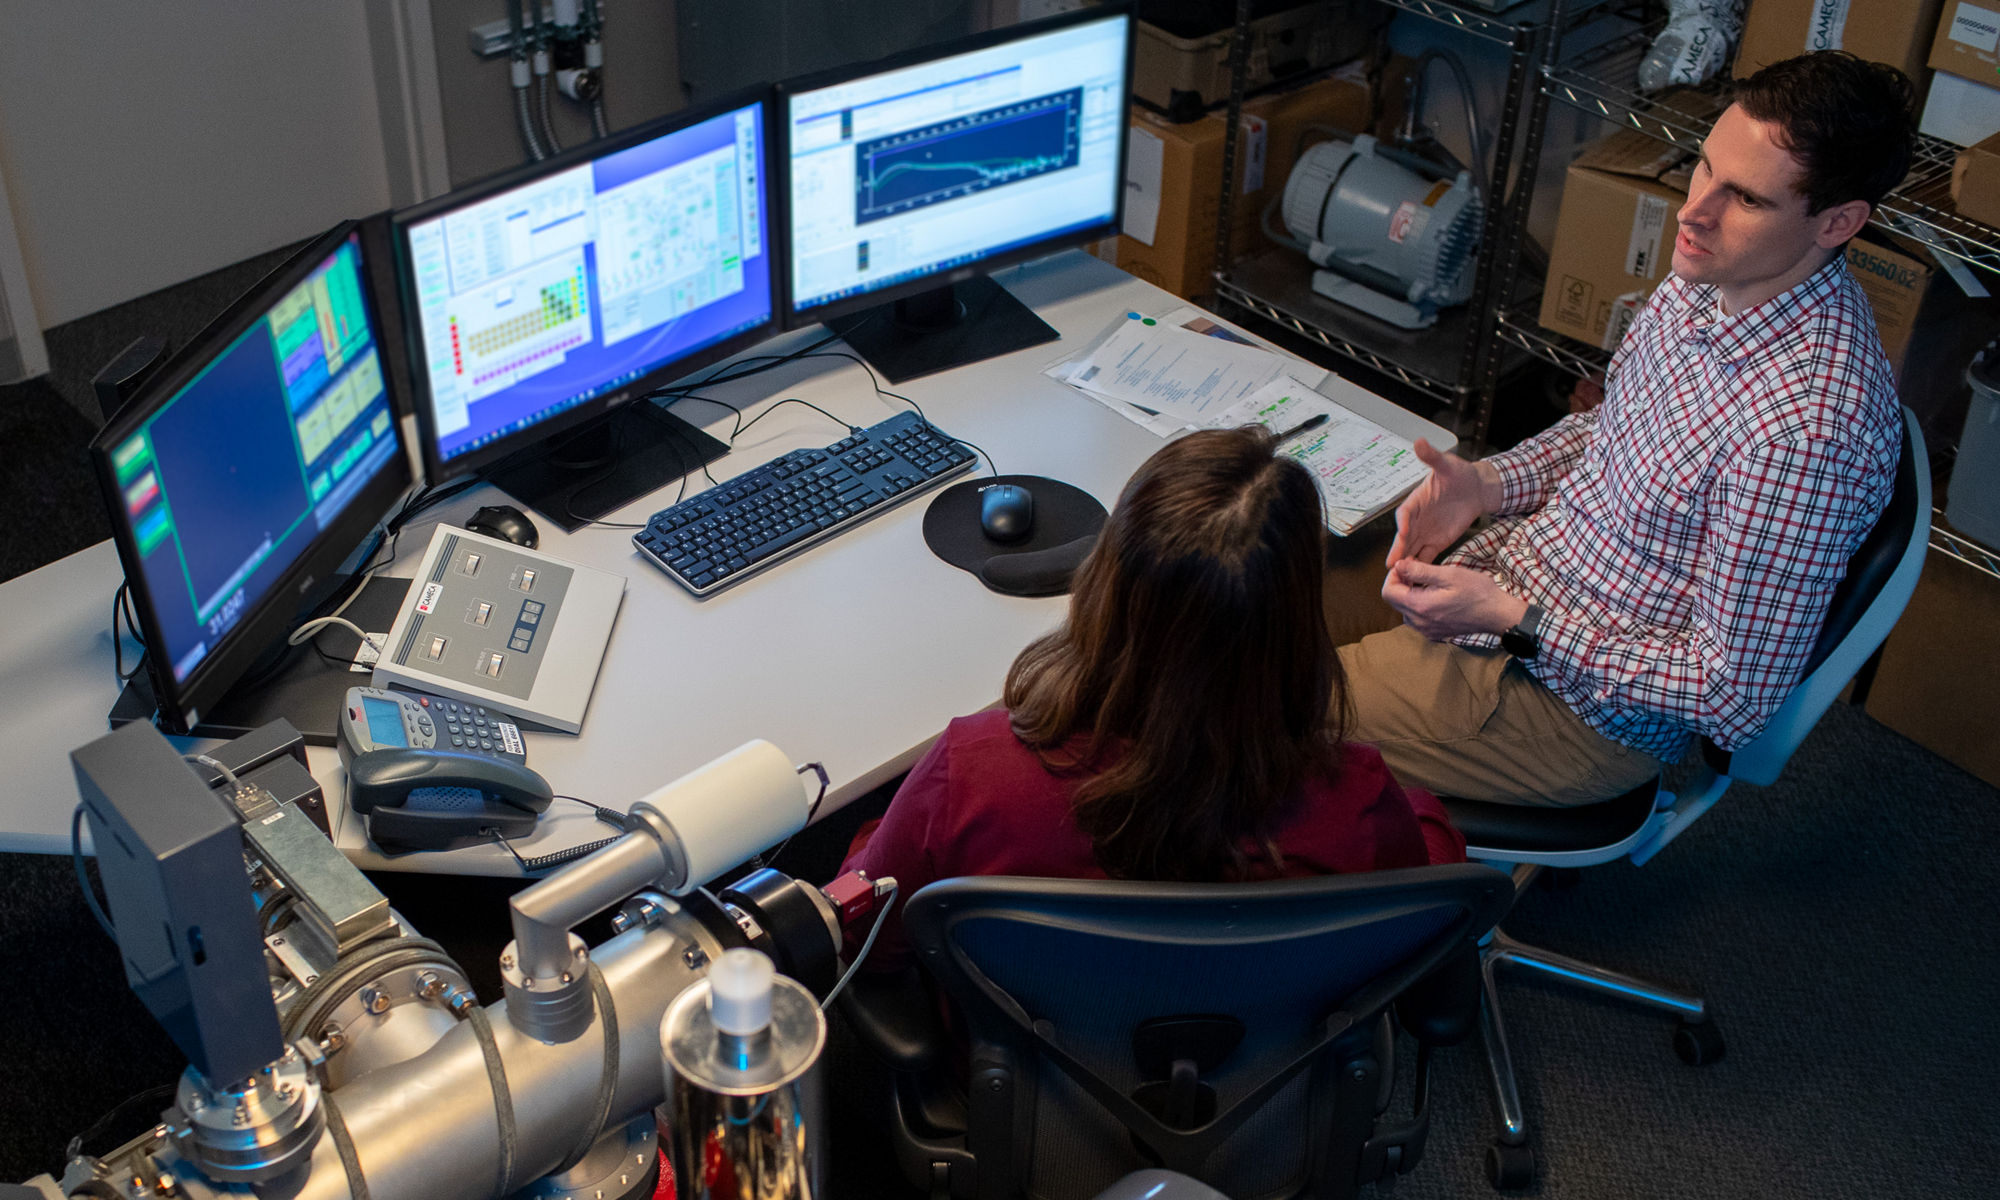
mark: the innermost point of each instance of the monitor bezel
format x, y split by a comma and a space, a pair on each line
437, 469
818, 314
182, 702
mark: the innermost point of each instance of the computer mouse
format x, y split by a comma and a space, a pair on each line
1006, 511
505, 522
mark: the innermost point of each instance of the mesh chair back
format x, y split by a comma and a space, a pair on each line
1054, 977
1881, 575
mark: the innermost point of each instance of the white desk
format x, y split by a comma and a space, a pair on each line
853, 654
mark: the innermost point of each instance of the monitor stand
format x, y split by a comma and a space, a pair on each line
292, 682
943, 328
607, 463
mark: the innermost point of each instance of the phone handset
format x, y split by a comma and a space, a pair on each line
424, 799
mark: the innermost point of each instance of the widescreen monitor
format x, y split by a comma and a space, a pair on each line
249, 470
908, 179
542, 298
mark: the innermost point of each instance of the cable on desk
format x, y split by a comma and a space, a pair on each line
724, 373
569, 500
83, 878
544, 862
121, 602
919, 409
852, 429
609, 816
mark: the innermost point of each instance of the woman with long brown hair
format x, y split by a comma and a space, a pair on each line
1183, 724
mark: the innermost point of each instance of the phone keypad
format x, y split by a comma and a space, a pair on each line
470, 728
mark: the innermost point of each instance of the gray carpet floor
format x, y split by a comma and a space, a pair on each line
1839, 922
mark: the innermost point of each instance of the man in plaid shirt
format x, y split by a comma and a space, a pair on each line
1661, 565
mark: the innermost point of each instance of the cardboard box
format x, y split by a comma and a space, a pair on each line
1930, 686
1960, 111
1614, 237
1176, 69
1173, 179
1975, 181
1968, 41
1897, 32
1929, 327
1897, 285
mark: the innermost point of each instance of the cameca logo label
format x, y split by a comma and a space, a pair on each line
1829, 21
1691, 57
1861, 260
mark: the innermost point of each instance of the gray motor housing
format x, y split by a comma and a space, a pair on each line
1383, 225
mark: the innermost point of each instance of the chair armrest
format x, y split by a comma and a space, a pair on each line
894, 1015
1441, 1008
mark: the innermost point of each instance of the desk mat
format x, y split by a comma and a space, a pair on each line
1067, 520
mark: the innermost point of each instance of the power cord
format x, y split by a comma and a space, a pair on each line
121, 603
82, 877
544, 862
812, 810
887, 888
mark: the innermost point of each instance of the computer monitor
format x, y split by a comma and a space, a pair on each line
556, 293
910, 178
248, 471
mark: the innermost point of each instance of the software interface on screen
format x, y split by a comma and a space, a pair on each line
553, 293
235, 475
922, 169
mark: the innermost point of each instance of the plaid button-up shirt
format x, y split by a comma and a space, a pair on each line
1685, 538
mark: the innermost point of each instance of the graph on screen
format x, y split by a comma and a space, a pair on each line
969, 154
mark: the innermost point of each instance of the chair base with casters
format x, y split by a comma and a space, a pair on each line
1528, 841
1239, 1034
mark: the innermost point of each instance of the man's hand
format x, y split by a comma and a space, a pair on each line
1444, 602
1444, 506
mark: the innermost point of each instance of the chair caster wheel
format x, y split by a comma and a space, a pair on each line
1559, 879
1510, 1167
1698, 1043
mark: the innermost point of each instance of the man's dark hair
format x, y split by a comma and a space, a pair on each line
1849, 122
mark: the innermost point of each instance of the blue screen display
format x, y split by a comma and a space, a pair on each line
551, 294
385, 721
229, 482
918, 170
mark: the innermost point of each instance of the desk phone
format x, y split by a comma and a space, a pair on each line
431, 773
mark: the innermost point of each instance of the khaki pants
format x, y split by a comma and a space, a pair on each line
1473, 724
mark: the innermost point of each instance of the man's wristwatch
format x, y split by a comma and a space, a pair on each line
1520, 641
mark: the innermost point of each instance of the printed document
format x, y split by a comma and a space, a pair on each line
1362, 468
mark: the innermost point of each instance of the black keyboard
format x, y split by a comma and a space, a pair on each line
768, 513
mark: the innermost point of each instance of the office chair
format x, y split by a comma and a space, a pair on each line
1234, 1033
1880, 577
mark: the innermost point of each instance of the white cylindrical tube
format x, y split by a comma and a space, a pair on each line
741, 804
739, 998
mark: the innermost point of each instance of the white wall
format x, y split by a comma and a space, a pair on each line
145, 143
641, 81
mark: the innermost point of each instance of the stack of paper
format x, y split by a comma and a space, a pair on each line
1173, 373
1185, 371
1361, 467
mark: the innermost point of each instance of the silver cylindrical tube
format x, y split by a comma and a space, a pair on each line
426, 1129
743, 1096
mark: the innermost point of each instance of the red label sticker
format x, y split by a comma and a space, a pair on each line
1401, 220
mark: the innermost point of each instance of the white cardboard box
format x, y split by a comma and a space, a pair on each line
1960, 111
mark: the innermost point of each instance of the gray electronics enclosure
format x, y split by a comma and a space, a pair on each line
170, 852
489, 622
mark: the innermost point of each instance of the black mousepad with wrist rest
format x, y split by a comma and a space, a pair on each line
1067, 519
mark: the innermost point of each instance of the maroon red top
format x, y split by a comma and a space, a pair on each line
981, 803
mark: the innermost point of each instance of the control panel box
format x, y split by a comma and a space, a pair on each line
490, 622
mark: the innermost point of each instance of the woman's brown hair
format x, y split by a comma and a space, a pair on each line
1194, 686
